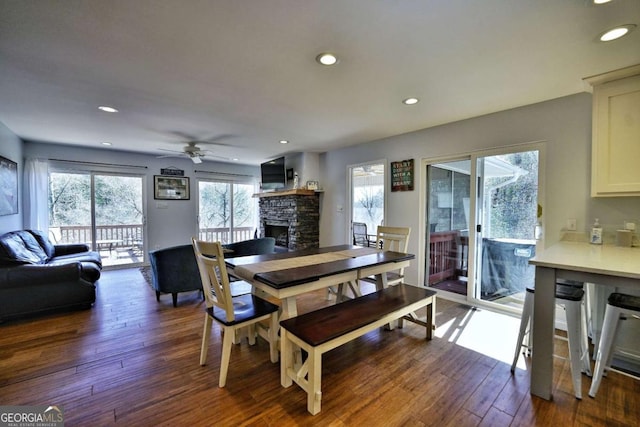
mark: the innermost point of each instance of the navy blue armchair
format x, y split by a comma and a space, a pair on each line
175, 269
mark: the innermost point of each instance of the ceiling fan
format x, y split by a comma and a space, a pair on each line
195, 153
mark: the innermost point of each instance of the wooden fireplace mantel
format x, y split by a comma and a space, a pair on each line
293, 192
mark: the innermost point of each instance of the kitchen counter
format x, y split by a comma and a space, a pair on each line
599, 264
585, 257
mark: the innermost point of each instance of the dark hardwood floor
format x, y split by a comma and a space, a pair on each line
132, 361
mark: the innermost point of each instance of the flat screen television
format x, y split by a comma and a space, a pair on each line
274, 175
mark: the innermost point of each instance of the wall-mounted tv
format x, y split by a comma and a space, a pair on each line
274, 175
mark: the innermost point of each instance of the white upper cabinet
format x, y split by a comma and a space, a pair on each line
615, 152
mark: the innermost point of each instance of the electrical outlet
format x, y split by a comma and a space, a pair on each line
571, 224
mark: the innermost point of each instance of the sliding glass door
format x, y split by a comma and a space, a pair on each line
447, 245
481, 222
105, 211
506, 217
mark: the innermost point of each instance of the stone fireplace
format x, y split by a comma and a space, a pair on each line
292, 217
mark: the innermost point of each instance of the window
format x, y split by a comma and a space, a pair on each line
227, 211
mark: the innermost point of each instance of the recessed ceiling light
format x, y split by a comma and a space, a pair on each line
410, 101
284, 141
601, 1
107, 109
107, 144
327, 59
617, 32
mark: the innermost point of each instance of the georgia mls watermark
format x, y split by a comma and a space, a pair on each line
32, 416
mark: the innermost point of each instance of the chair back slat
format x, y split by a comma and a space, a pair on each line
214, 277
393, 238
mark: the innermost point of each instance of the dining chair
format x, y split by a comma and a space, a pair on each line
231, 312
392, 239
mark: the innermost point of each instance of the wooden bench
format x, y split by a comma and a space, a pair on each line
320, 331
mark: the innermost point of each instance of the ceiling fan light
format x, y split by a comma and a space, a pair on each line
196, 159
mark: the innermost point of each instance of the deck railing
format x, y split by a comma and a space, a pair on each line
122, 235
127, 235
448, 255
223, 234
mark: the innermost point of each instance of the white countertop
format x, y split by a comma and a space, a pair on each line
599, 259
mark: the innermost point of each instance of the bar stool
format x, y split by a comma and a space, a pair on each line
619, 307
570, 297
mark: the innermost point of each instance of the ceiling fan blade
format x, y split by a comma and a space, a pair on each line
215, 141
171, 151
209, 153
168, 155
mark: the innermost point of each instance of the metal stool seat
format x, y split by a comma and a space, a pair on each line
570, 297
619, 307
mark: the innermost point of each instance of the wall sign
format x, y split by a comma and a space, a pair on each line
172, 171
402, 175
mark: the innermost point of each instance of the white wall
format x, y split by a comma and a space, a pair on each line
11, 148
170, 226
565, 125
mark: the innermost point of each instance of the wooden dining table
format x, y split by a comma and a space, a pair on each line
289, 274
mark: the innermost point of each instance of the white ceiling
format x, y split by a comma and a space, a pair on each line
243, 72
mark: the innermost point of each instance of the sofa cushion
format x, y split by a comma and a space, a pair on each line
90, 270
90, 256
20, 247
44, 242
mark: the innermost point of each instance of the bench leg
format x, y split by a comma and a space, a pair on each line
286, 358
431, 313
314, 395
273, 337
429, 321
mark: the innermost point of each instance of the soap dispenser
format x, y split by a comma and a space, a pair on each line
596, 233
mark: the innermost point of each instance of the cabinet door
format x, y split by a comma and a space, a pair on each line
616, 138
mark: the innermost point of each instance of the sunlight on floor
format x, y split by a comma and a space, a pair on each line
486, 332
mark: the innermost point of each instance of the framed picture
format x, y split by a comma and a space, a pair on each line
312, 185
170, 187
402, 175
8, 187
